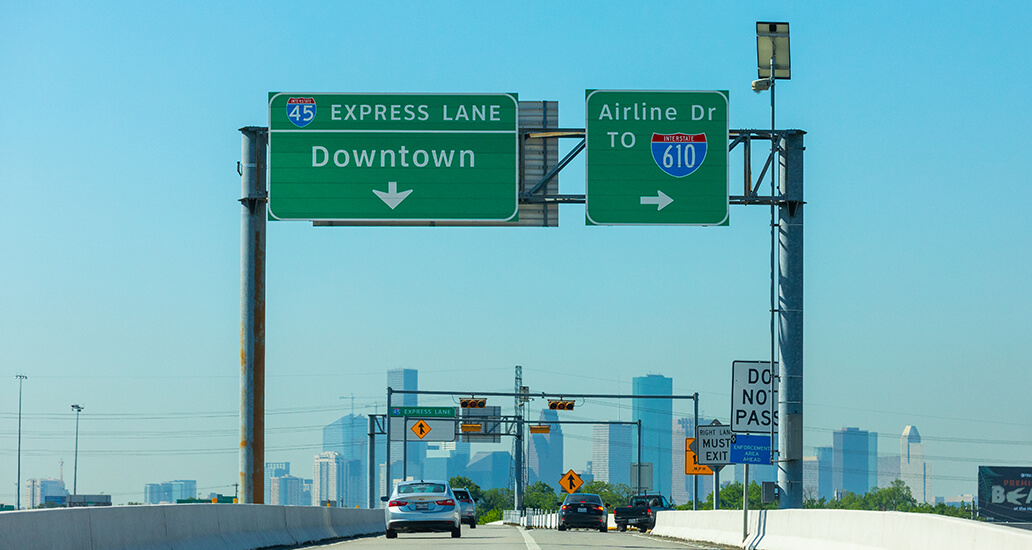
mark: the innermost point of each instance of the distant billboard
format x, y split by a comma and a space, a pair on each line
1005, 493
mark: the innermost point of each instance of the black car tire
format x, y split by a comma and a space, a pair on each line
456, 532
392, 534
604, 528
562, 527
473, 523
621, 527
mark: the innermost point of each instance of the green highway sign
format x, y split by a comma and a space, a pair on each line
424, 412
389, 157
656, 157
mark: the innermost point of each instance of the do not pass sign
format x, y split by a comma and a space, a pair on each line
753, 401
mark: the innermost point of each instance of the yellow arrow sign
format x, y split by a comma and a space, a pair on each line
691, 461
570, 482
420, 428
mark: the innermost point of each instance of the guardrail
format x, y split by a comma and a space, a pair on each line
838, 530
531, 518
183, 526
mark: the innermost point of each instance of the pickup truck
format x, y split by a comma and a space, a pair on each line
641, 512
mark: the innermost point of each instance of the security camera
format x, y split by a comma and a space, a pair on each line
760, 85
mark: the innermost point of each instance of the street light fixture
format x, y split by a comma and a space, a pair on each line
17, 492
773, 62
772, 51
75, 475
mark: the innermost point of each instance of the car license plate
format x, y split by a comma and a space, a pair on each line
422, 506
632, 520
582, 510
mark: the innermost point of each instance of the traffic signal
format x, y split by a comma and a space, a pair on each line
472, 403
558, 405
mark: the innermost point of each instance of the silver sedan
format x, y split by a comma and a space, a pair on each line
421, 507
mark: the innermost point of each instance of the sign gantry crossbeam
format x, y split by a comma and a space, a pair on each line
743, 137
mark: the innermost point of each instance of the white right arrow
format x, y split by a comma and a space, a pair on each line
392, 197
661, 200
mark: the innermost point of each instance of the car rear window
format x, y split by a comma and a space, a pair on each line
415, 488
593, 499
460, 493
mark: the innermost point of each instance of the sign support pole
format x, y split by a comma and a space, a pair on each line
790, 313
716, 486
695, 479
252, 313
389, 483
745, 505
639, 459
372, 461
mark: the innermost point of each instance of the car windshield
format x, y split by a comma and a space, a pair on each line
590, 499
416, 488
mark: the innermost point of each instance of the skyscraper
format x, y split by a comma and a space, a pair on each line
611, 454
42, 491
851, 461
656, 417
912, 467
872, 460
286, 491
348, 437
408, 380
327, 479
683, 485
545, 459
274, 470
817, 472
825, 469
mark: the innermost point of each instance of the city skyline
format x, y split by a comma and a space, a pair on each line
121, 241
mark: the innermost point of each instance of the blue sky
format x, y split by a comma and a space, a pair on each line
120, 243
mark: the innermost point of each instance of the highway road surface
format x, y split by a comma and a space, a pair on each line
504, 537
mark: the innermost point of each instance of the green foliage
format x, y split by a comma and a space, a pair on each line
495, 499
612, 495
466, 483
896, 497
731, 498
540, 495
491, 516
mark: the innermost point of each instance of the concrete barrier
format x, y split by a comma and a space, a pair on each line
248, 526
183, 527
108, 527
55, 528
839, 530
198, 525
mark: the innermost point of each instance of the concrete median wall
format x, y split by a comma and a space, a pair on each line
839, 530
183, 527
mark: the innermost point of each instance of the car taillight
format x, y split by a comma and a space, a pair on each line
466, 500
398, 503
599, 508
648, 511
564, 506
446, 502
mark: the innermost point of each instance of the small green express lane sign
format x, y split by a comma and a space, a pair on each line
424, 412
387, 157
656, 157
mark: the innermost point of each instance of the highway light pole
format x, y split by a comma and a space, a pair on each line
75, 475
774, 63
17, 492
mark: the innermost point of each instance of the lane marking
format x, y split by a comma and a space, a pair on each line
531, 545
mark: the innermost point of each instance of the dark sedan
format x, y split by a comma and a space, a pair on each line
583, 510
